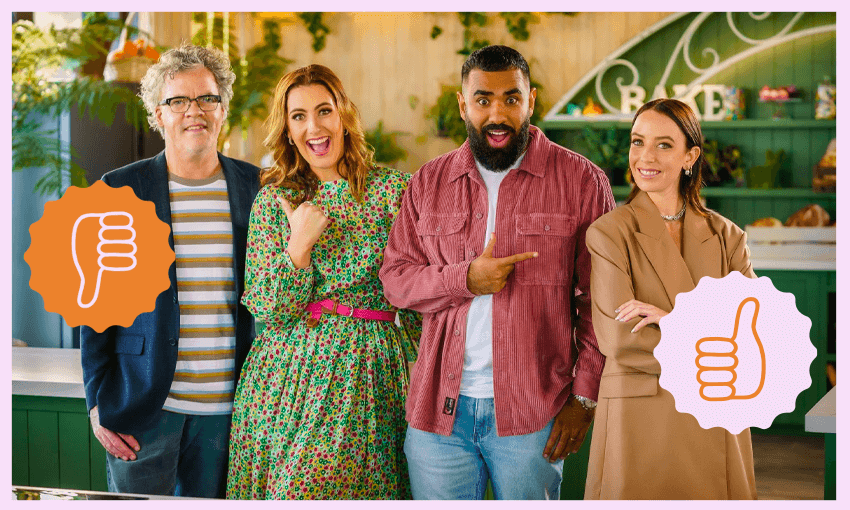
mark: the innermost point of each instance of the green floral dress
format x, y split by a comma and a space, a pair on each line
319, 411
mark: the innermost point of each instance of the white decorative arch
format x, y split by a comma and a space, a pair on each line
682, 47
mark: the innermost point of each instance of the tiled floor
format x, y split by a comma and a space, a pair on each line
788, 467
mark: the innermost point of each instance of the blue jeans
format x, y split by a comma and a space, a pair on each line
183, 455
458, 466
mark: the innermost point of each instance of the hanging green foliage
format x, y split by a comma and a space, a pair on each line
470, 42
36, 53
608, 149
385, 145
445, 116
256, 76
517, 23
313, 22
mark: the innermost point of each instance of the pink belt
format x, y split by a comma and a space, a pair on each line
331, 307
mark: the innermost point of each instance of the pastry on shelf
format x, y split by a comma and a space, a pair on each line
812, 215
766, 222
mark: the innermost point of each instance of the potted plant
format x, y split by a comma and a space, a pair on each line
257, 74
387, 150
609, 150
36, 56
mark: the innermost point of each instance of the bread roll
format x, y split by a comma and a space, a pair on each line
766, 222
812, 215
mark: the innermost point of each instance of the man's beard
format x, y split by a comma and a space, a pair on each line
493, 159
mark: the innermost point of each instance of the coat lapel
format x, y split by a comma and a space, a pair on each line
240, 202
660, 249
701, 248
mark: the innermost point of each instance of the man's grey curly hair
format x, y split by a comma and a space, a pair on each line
185, 58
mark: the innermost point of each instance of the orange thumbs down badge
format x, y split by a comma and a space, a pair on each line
99, 256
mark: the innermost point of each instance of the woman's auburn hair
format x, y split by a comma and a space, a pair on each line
289, 168
684, 117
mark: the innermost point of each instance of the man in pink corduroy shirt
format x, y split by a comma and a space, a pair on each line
489, 246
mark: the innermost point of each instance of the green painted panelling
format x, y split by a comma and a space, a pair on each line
802, 62
73, 451
810, 291
43, 448
575, 470
57, 404
53, 445
829, 475
707, 127
97, 460
20, 452
774, 66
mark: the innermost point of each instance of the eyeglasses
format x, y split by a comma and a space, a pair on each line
181, 104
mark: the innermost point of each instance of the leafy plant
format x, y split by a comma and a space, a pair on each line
256, 76
446, 116
314, 24
608, 149
384, 144
725, 164
470, 42
36, 53
517, 23
764, 176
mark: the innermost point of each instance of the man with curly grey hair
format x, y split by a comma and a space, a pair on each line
160, 392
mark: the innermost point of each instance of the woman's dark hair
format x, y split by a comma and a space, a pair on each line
684, 117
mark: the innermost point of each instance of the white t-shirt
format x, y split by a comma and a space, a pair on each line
477, 378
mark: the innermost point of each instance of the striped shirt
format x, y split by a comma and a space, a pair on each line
544, 346
203, 243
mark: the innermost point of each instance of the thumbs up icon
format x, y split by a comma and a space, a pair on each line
717, 359
101, 254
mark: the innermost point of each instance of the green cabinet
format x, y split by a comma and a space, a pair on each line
53, 445
811, 291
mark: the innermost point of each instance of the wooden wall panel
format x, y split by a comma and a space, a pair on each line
385, 58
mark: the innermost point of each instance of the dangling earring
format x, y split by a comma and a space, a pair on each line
344, 132
290, 141
688, 171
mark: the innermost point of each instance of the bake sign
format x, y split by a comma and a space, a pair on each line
633, 97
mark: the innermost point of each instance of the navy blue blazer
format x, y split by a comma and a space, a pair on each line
128, 371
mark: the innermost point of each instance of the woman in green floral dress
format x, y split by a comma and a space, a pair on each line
319, 409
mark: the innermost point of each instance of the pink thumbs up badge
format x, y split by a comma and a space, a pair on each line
735, 352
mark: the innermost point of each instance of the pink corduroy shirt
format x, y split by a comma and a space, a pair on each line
544, 347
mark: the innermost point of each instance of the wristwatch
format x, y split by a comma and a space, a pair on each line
585, 402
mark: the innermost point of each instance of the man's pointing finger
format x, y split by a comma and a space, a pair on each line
513, 259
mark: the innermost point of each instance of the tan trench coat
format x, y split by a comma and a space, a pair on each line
642, 448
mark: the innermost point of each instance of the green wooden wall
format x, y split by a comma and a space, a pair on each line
802, 62
53, 445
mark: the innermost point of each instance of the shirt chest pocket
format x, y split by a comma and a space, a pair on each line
552, 236
442, 237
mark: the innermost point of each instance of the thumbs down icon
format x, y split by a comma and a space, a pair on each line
101, 253
131, 243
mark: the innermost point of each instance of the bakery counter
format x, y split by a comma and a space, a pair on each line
792, 264
821, 419
813, 287
21, 493
52, 442
47, 372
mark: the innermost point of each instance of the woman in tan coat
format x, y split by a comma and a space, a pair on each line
643, 254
